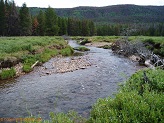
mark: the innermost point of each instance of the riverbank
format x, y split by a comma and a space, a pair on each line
20, 54
153, 43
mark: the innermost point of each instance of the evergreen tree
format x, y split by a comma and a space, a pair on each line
13, 21
41, 23
64, 26
7, 13
25, 21
35, 26
2, 18
92, 28
85, 28
51, 22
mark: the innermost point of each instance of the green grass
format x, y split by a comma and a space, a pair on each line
98, 38
67, 51
28, 50
6, 74
155, 44
19, 46
82, 48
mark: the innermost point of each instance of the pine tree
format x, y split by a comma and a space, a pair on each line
92, 28
35, 26
2, 18
13, 21
25, 21
64, 26
51, 22
85, 28
41, 23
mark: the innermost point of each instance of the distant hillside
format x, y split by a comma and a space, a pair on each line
113, 14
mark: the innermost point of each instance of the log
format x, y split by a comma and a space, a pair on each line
148, 64
34, 64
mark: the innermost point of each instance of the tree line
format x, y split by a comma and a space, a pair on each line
16, 21
149, 29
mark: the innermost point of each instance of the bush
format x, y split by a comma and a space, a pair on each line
155, 81
6, 74
139, 101
129, 107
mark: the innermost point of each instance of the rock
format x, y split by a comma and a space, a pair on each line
72, 64
134, 58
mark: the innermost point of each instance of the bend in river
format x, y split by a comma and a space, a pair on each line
60, 92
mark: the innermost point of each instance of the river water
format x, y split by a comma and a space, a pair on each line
60, 92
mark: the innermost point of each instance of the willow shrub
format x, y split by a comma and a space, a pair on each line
140, 100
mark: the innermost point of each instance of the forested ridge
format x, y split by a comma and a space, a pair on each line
112, 14
82, 21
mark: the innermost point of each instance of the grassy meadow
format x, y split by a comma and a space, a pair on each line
28, 50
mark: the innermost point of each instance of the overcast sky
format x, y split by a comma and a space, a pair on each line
75, 3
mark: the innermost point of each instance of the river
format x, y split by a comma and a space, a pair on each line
60, 92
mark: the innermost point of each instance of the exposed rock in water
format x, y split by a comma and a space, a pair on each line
72, 64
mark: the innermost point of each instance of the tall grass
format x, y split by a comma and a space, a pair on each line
19, 46
28, 50
6, 74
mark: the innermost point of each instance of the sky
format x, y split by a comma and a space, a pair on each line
76, 3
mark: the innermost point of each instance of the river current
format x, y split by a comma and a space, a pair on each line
60, 92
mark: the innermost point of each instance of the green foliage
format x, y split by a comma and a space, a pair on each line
47, 54
82, 49
51, 22
28, 50
67, 51
2, 17
27, 68
129, 105
25, 21
70, 117
155, 44
41, 21
6, 74
105, 47
154, 81
85, 41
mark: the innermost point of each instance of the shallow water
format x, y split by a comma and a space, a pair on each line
61, 92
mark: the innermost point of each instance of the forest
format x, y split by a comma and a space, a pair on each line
24, 21
16, 21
